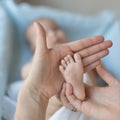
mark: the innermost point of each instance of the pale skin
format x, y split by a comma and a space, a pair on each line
72, 71
101, 103
45, 79
55, 36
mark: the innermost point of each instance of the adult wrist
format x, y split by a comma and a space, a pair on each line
39, 89
31, 105
34, 92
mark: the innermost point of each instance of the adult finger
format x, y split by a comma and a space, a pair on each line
93, 58
85, 43
64, 99
63, 96
105, 75
70, 96
88, 107
91, 66
41, 46
95, 49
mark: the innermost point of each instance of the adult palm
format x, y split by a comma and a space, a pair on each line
102, 103
45, 75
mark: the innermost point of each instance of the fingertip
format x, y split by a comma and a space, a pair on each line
106, 51
110, 43
41, 45
39, 28
99, 38
35, 24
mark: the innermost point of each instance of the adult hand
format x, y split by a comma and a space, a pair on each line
102, 103
45, 75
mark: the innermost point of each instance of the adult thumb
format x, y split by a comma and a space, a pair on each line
41, 46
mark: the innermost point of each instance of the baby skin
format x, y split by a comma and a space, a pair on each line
72, 71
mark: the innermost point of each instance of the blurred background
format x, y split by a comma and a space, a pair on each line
79, 6
85, 17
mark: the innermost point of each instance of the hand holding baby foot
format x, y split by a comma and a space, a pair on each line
44, 79
45, 72
102, 103
72, 70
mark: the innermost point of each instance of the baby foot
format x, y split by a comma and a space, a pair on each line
72, 70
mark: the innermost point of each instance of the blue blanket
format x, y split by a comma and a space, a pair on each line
75, 26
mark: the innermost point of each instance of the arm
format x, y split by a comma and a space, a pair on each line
31, 105
44, 79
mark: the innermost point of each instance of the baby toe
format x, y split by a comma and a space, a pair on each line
70, 58
67, 60
63, 63
77, 57
61, 68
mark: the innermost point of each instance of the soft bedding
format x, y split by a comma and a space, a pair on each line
76, 26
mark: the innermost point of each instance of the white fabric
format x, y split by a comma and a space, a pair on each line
65, 114
11, 100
